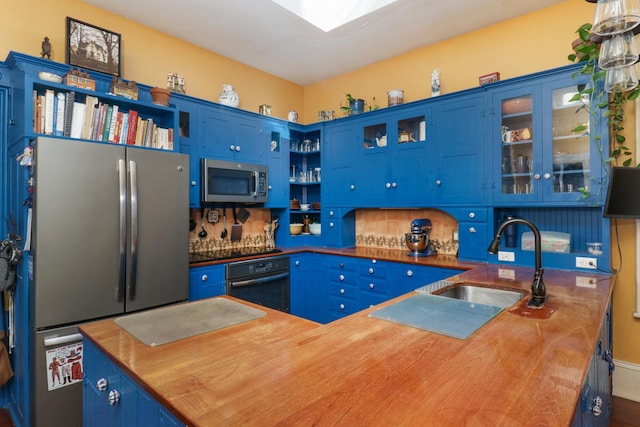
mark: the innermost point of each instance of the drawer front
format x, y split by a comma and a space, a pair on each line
375, 285
342, 263
343, 290
374, 268
343, 306
473, 215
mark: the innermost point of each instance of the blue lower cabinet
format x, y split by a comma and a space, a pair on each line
206, 282
473, 234
308, 289
110, 398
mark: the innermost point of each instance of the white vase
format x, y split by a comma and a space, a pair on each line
228, 96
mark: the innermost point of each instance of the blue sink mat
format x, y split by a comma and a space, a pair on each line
443, 315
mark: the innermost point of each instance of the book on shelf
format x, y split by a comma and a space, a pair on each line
49, 100
133, 127
68, 114
59, 128
64, 113
77, 119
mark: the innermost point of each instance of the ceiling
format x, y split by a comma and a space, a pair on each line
264, 35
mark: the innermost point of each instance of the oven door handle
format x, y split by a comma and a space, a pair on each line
259, 281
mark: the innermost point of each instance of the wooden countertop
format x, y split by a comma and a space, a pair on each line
518, 369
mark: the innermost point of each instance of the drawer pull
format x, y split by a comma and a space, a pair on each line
114, 397
102, 384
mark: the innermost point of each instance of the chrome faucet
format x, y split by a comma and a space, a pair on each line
538, 290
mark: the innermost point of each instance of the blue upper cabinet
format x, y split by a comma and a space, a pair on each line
274, 135
232, 135
459, 151
339, 164
394, 167
537, 155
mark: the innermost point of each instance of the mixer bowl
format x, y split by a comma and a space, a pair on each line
416, 243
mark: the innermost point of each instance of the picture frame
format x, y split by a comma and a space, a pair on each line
93, 48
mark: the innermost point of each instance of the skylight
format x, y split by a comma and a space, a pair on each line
330, 14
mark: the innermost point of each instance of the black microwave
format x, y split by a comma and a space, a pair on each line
236, 182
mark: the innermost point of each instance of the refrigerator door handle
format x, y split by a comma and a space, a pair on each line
122, 184
133, 194
66, 339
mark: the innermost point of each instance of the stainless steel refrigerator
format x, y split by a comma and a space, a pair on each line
108, 237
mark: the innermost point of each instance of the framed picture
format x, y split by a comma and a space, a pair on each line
92, 47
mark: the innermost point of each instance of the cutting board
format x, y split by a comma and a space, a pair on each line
168, 324
446, 316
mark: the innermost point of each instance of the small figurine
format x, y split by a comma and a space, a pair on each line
46, 48
435, 82
26, 158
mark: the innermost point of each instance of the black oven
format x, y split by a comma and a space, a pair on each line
262, 281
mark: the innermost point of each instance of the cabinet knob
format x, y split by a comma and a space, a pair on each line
330, 225
193, 183
341, 291
536, 176
102, 384
297, 263
204, 278
472, 215
472, 229
373, 261
438, 182
114, 397
270, 188
388, 185
352, 187
394, 185
237, 148
342, 265
597, 406
330, 213
370, 270
232, 148
371, 286
547, 175
341, 306
341, 277
409, 273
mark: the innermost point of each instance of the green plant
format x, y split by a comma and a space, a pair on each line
611, 108
587, 52
351, 100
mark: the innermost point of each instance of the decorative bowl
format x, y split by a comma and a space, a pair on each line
305, 206
315, 228
49, 77
295, 229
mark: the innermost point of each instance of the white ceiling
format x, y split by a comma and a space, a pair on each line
266, 36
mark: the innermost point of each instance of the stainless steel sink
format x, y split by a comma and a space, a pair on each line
482, 295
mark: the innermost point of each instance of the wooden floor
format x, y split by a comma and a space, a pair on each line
624, 413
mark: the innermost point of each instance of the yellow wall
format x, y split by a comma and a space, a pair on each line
531, 43
147, 55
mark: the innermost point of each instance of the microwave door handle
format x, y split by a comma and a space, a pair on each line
256, 183
122, 186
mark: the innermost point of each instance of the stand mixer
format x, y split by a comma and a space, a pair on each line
418, 240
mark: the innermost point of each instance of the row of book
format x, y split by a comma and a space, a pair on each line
61, 114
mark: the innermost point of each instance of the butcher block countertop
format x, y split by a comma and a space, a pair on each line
522, 368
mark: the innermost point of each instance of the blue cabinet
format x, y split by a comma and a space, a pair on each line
190, 137
110, 398
339, 164
394, 167
206, 282
594, 404
538, 157
339, 227
274, 135
473, 233
459, 153
308, 289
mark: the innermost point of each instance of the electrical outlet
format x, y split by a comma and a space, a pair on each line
506, 273
585, 262
506, 256
454, 236
586, 282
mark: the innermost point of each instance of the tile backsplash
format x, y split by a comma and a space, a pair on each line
377, 228
385, 228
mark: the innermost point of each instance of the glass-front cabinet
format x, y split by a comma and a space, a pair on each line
392, 158
543, 135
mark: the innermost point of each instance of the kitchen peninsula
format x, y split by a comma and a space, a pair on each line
518, 369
